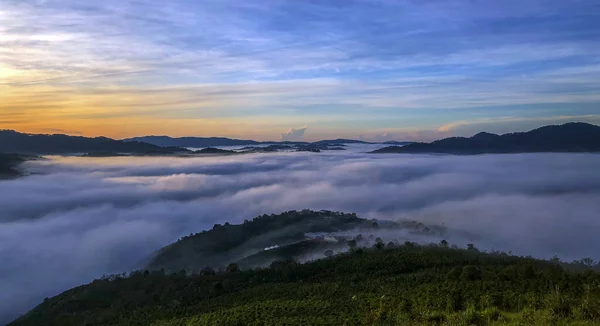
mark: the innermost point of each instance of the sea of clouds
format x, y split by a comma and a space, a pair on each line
74, 219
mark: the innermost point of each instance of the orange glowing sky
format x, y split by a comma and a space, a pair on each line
256, 69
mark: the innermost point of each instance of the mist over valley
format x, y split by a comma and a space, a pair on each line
73, 219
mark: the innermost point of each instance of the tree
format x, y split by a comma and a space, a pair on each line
444, 243
352, 244
233, 268
471, 246
588, 262
470, 273
207, 270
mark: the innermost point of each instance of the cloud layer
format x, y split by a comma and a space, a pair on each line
75, 219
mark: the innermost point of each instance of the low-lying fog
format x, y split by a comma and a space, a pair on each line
75, 219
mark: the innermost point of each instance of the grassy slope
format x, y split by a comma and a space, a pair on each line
400, 286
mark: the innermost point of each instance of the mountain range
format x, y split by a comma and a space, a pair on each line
16, 142
201, 142
569, 137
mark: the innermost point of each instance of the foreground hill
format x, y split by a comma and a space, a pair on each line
15, 142
569, 137
396, 285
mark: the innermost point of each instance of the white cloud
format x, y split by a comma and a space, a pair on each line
294, 134
78, 218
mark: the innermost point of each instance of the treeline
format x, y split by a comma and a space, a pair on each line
225, 243
403, 284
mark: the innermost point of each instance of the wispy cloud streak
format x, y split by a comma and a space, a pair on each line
373, 54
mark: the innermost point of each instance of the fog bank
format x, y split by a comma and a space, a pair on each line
75, 219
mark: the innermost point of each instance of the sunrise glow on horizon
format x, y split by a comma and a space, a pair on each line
366, 69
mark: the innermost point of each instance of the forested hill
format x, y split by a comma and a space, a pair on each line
15, 142
228, 243
569, 137
382, 285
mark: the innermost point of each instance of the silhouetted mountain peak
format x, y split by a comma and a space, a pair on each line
485, 135
569, 137
15, 142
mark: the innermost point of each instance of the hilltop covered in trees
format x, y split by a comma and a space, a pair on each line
330, 268
403, 284
247, 242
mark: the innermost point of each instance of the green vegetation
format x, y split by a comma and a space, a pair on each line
228, 243
382, 285
289, 235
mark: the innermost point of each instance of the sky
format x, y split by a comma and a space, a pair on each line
297, 69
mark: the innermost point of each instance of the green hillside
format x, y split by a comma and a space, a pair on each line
382, 285
228, 243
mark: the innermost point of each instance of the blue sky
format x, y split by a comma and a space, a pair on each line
370, 69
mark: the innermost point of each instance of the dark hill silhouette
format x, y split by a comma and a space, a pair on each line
16, 142
393, 142
569, 137
339, 141
212, 150
9, 163
201, 142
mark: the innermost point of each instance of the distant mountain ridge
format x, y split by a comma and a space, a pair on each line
166, 141
16, 142
401, 143
569, 137
200, 142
